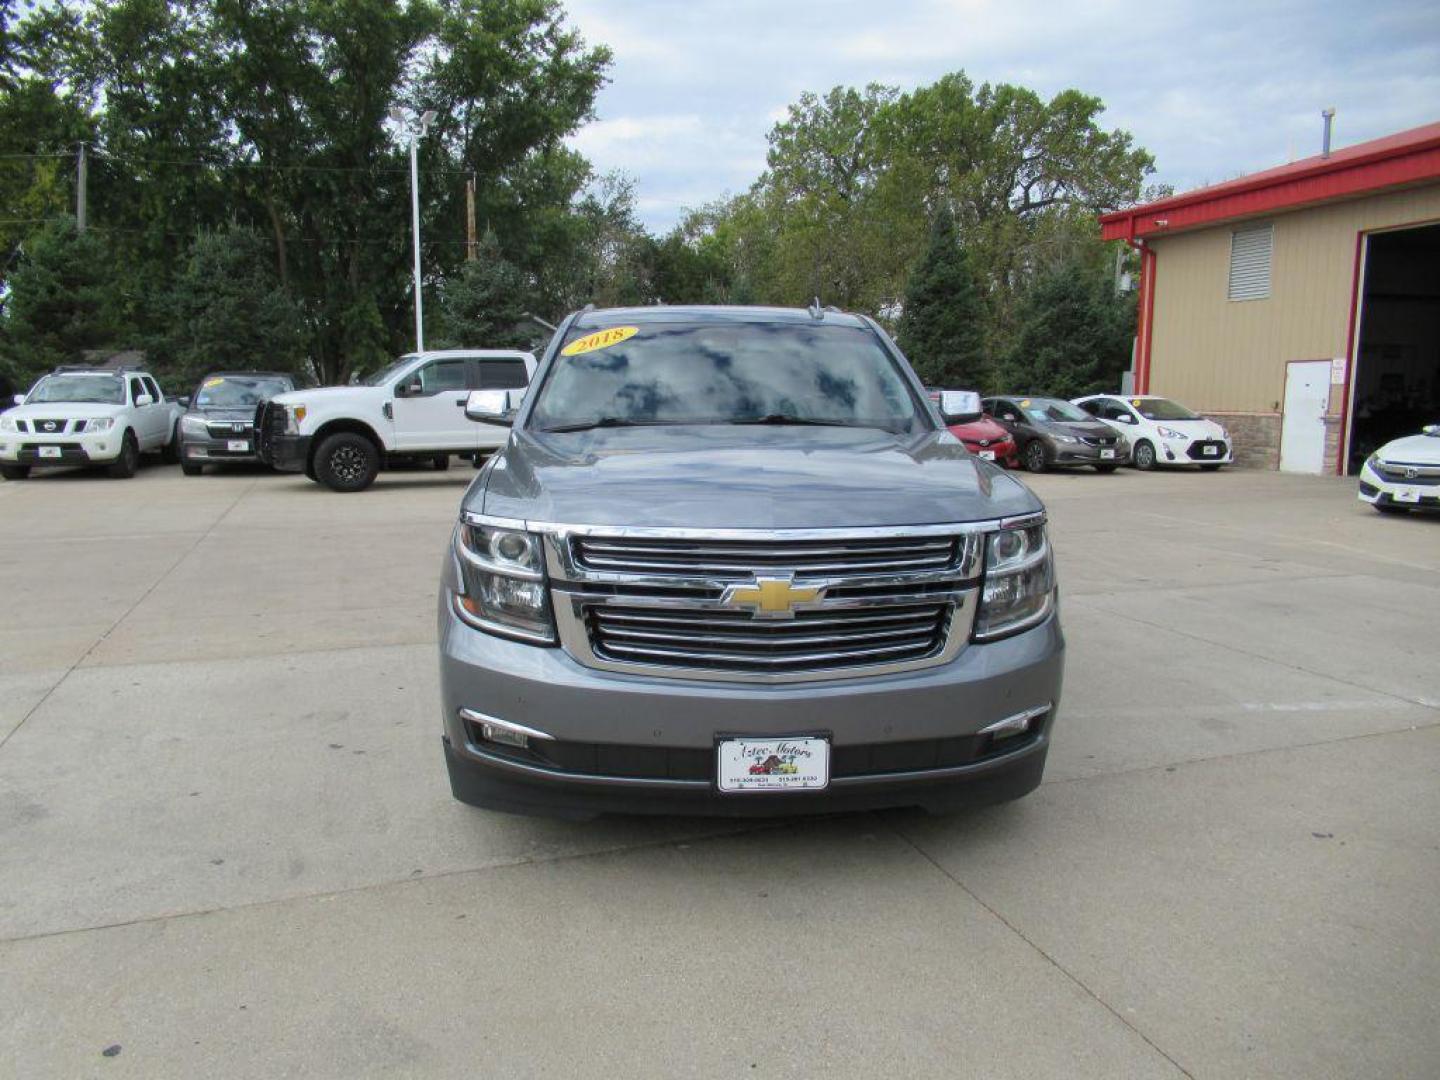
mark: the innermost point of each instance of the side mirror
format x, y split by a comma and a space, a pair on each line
143, 400
493, 406
19, 399
408, 389
184, 401
1124, 418
960, 406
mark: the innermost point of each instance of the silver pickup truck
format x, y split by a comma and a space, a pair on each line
730, 561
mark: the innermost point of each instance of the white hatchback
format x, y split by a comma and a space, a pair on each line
1162, 432
1404, 474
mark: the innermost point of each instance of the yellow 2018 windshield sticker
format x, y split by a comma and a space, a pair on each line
601, 339
213, 382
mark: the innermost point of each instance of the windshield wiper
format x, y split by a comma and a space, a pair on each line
802, 421
608, 422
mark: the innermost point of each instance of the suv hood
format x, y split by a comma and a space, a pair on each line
729, 476
1413, 450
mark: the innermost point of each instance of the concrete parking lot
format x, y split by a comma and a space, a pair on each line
227, 845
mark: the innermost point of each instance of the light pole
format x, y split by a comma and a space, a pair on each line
415, 130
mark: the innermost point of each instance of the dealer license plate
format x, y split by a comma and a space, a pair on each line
1406, 494
987, 455
51, 451
1210, 451
238, 446
747, 765
1106, 455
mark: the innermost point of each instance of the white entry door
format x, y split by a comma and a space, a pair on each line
1302, 430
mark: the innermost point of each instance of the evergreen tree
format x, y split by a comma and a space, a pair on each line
1073, 333
63, 300
942, 325
484, 305
230, 311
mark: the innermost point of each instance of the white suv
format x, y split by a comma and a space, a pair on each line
88, 416
342, 436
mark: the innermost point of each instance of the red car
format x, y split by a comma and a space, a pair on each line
987, 439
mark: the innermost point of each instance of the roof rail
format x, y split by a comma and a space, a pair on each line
97, 369
816, 311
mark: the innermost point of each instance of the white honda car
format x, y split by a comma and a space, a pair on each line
1404, 474
1161, 431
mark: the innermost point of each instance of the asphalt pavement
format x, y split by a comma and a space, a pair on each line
228, 847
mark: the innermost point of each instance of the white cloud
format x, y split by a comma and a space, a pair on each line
1213, 90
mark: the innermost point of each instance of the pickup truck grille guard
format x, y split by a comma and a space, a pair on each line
679, 603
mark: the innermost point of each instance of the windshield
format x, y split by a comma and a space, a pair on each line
1159, 408
725, 373
1052, 410
385, 374
238, 391
93, 389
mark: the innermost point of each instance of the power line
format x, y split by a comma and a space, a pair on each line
198, 163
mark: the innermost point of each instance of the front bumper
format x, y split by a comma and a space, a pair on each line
1193, 452
1085, 454
636, 744
1002, 453
211, 451
99, 448
1418, 491
287, 453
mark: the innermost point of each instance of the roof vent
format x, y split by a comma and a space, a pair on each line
1329, 115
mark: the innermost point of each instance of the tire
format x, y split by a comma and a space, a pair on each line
129, 460
347, 462
1144, 456
441, 462
14, 472
1211, 468
1034, 457
170, 452
1106, 468
191, 470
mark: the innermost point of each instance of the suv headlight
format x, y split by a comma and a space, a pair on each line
1019, 588
194, 425
502, 582
97, 424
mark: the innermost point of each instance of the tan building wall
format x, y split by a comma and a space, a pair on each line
1227, 357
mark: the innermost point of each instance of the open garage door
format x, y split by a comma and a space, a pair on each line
1396, 381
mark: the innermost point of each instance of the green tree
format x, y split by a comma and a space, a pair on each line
484, 304
62, 301
229, 309
942, 327
1073, 333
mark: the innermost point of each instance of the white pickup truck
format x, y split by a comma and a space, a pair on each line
341, 436
88, 416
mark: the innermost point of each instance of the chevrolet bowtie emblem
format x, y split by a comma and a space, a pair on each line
772, 598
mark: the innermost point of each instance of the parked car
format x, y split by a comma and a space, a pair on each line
982, 436
1161, 431
722, 536
88, 416
1404, 474
219, 427
342, 436
1051, 432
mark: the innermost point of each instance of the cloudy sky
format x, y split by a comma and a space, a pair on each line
1212, 89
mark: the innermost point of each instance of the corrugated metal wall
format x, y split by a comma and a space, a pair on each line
1222, 355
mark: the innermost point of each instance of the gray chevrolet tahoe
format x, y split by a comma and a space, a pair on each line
730, 561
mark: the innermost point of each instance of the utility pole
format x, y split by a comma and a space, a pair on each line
82, 173
471, 247
416, 130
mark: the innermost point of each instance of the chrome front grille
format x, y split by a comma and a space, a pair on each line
685, 604
811, 641
732, 559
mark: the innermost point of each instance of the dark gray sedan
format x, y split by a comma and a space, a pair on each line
1051, 432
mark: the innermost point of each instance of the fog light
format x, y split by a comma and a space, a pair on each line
502, 732
1019, 724
504, 736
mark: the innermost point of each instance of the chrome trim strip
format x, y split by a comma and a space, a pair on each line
1016, 723
494, 721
